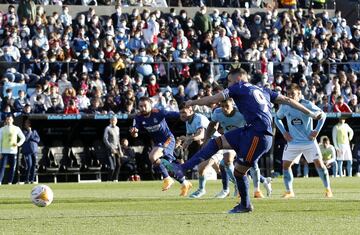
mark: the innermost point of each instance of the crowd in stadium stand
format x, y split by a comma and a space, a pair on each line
54, 63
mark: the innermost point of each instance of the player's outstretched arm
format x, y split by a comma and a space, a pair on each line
280, 99
210, 130
206, 100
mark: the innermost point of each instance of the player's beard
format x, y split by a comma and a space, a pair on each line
145, 113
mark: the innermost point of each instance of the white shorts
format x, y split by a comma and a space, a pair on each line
344, 152
293, 152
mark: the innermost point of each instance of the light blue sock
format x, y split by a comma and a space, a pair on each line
340, 168
288, 179
202, 182
324, 176
349, 168
255, 175
230, 171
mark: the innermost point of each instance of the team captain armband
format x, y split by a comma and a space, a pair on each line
225, 93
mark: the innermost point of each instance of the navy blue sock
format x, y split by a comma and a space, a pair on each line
224, 178
243, 187
203, 154
162, 170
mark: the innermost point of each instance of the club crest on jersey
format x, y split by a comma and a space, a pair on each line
143, 122
296, 121
155, 120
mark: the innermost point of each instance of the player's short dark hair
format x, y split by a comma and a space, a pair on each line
145, 98
226, 101
182, 106
239, 71
325, 138
293, 87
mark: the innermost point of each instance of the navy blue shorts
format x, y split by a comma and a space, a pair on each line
168, 148
248, 145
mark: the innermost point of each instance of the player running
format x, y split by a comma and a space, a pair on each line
153, 121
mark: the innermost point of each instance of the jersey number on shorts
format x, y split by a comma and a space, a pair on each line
259, 97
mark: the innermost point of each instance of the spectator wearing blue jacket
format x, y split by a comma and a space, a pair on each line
29, 151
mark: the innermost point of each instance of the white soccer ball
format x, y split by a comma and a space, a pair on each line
42, 195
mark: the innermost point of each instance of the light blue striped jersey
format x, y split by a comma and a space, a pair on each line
198, 121
299, 124
228, 123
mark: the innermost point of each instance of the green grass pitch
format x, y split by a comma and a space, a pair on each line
141, 208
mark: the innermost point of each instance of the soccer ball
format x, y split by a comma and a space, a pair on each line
42, 195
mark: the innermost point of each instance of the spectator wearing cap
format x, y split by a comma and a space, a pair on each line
202, 21
340, 106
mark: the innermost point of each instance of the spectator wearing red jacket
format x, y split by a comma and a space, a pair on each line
71, 108
153, 87
340, 106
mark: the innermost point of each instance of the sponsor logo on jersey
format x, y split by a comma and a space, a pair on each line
296, 121
153, 128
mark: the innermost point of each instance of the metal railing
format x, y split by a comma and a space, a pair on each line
169, 71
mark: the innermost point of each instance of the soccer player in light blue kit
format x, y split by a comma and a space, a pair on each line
228, 118
153, 121
301, 138
250, 142
196, 125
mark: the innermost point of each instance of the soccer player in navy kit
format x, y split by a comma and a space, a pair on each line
249, 142
153, 121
